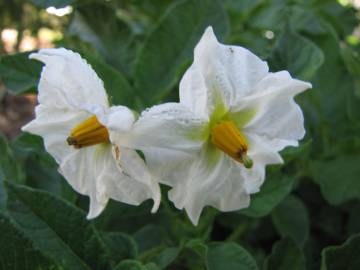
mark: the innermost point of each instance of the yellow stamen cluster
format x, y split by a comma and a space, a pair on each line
228, 138
87, 133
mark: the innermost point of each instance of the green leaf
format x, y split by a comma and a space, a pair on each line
294, 153
291, 219
306, 20
352, 62
151, 266
121, 246
341, 257
108, 34
39, 167
194, 254
149, 237
270, 15
353, 223
53, 3
297, 54
338, 178
171, 44
330, 94
274, 190
19, 73
229, 256
9, 169
116, 85
135, 265
17, 251
56, 228
166, 257
285, 255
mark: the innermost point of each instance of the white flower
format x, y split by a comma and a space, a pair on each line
77, 124
233, 118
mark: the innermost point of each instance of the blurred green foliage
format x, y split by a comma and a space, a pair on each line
307, 214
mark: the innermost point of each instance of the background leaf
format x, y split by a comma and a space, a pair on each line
121, 246
19, 73
175, 37
297, 54
306, 207
229, 256
17, 251
109, 34
285, 255
291, 219
328, 174
50, 230
274, 190
345, 256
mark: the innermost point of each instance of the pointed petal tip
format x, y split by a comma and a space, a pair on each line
34, 55
156, 206
209, 29
92, 214
157, 199
27, 127
95, 208
306, 85
50, 52
194, 219
209, 33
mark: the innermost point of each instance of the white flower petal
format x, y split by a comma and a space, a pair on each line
94, 172
69, 93
166, 165
219, 74
210, 182
79, 169
67, 80
133, 166
277, 116
95, 207
54, 125
263, 152
118, 119
169, 125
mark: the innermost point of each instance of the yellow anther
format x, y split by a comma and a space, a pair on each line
228, 138
87, 133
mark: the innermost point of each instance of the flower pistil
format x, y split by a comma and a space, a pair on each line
87, 133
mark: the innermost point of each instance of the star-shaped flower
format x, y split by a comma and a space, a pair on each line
233, 118
77, 124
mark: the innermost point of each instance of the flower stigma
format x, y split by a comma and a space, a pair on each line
88, 133
229, 139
